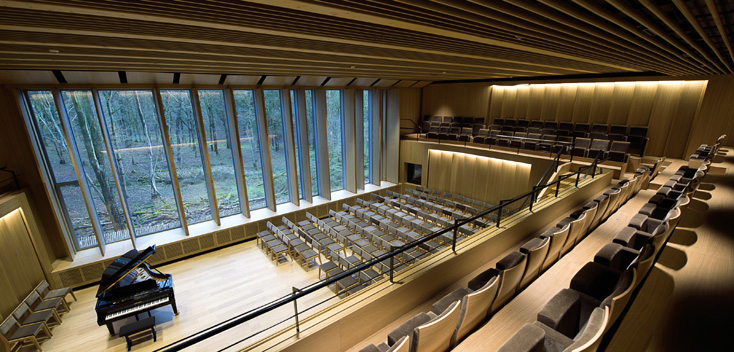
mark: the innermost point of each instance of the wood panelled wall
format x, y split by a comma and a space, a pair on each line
486, 179
715, 117
462, 99
20, 269
653, 104
682, 112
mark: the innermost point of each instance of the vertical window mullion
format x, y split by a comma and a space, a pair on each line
168, 151
234, 135
79, 169
375, 140
114, 166
290, 149
302, 132
204, 153
264, 148
322, 152
359, 135
349, 140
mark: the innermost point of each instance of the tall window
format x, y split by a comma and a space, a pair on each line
135, 132
221, 159
312, 155
184, 137
47, 124
250, 145
367, 123
334, 138
89, 142
276, 139
296, 140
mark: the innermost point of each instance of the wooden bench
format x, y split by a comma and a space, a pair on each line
137, 327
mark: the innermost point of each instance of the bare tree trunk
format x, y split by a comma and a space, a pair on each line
151, 162
93, 146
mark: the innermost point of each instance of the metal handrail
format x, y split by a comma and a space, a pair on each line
298, 293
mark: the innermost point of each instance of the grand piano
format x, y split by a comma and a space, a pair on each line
129, 287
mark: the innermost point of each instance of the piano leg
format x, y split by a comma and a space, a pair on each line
173, 305
110, 328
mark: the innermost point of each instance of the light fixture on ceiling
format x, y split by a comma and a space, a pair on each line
353, 67
53, 51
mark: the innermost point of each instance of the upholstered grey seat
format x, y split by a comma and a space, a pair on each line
557, 240
616, 256
536, 251
538, 337
512, 267
596, 280
568, 311
474, 309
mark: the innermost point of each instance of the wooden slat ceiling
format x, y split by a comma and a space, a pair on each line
395, 41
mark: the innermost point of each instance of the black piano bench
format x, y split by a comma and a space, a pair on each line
136, 327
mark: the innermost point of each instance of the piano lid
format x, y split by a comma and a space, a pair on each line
123, 266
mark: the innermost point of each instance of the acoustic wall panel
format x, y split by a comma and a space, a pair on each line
535, 101
613, 103
486, 179
566, 102
582, 104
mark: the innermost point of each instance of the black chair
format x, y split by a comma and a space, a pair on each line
537, 124
598, 135
638, 131
548, 142
600, 128
565, 126
618, 129
499, 122
581, 146
481, 136
550, 124
517, 142
510, 122
618, 151
532, 142
466, 134
600, 147
616, 137
537, 130
433, 132
637, 144
523, 123
581, 130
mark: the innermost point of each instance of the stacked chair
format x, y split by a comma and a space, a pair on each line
577, 318
34, 317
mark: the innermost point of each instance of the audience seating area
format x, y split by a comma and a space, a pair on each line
35, 316
369, 229
493, 288
577, 318
613, 142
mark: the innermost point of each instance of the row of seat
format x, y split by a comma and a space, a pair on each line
537, 138
457, 314
578, 127
577, 318
41, 309
372, 228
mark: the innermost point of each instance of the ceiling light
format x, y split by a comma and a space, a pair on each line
53, 51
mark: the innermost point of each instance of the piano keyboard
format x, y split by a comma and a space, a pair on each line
137, 308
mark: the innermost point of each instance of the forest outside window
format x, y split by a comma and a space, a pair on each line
335, 132
276, 139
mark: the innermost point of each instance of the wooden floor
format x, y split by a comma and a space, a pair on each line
687, 301
685, 304
698, 265
209, 289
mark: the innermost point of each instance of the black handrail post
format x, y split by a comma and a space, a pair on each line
456, 229
558, 185
499, 215
295, 308
532, 199
391, 268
